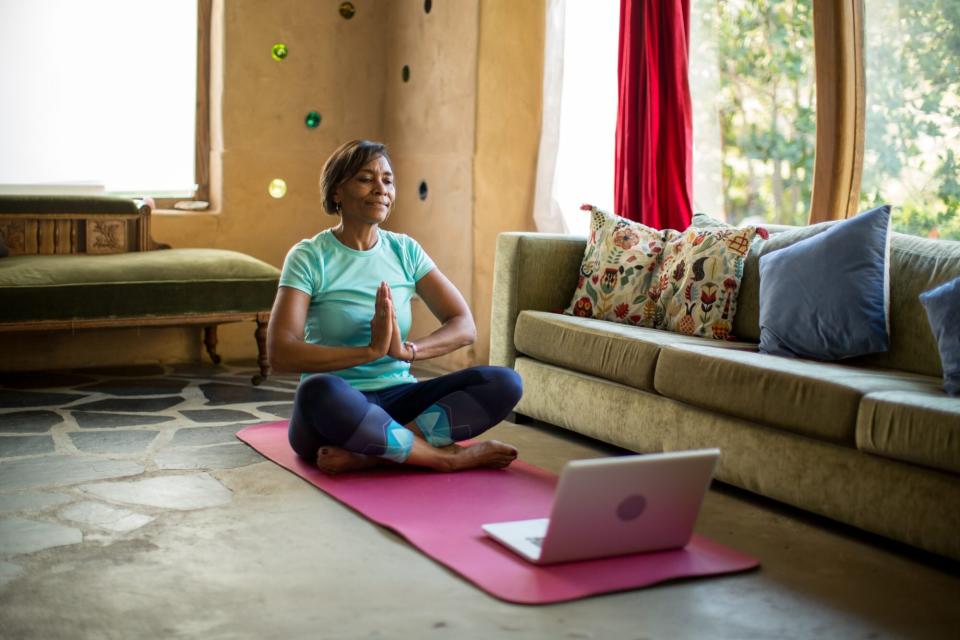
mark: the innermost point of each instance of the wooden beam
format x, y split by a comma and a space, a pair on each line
841, 106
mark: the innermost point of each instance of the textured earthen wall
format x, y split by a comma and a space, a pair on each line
466, 123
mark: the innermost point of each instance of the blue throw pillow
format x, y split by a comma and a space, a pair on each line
827, 297
943, 312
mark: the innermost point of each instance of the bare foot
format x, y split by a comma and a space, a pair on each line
334, 460
492, 454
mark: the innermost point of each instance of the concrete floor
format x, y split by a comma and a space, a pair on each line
278, 559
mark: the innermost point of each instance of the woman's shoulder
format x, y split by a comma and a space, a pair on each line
397, 240
312, 245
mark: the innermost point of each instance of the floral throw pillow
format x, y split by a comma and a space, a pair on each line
699, 279
619, 265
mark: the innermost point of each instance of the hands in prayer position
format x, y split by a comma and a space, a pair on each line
385, 336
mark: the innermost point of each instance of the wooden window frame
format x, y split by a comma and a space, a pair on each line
841, 108
202, 136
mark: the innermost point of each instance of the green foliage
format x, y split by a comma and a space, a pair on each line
766, 100
767, 124
913, 114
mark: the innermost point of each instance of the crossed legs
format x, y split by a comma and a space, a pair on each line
419, 424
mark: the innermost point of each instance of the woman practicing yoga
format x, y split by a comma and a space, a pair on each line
342, 316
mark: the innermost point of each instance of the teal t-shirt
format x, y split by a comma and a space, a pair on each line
342, 284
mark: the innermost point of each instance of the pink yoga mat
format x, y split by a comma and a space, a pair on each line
441, 513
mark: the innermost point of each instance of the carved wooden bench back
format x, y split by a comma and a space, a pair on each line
64, 233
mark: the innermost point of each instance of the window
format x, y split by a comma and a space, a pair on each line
911, 152
752, 87
104, 98
588, 111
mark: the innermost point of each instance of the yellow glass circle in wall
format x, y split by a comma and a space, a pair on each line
277, 188
347, 10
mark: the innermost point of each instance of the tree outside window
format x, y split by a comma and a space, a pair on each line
752, 82
912, 155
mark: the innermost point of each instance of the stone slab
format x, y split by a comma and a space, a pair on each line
193, 436
37, 421
19, 535
105, 516
95, 420
138, 386
142, 405
221, 456
184, 492
122, 441
31, 500
11, 399
217, 415
62, 470
199, 370
9, 572
11, 446
218, 393
279, 410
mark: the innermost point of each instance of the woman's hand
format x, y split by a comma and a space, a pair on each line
383, 322
398, 349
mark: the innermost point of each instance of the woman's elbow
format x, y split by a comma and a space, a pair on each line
278, 355
469, 334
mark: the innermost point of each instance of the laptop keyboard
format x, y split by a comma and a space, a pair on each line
536, 540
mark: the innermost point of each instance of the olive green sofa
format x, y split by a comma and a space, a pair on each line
89, 262
872, 442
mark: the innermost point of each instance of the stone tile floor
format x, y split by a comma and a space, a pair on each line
128, 509
91, 455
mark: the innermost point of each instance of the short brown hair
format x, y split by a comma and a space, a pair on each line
343, 164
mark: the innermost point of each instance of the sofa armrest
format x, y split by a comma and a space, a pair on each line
535, 271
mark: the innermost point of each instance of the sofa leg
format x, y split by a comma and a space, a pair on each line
210, 342
261, 336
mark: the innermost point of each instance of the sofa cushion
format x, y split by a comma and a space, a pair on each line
616, 352
699, 279
920, 426
816, 399
165, 282
827, 297
619, 264
943, 311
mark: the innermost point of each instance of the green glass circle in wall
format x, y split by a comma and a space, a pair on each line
347, 10
405, 73
277, 188
279, 51
312, 120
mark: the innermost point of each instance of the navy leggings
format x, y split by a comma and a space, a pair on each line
447, 409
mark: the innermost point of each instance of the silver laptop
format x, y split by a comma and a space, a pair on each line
615, 506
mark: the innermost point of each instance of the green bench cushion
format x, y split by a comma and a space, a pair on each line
148, 283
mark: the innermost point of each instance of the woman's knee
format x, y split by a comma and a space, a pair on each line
508, 382
320, 389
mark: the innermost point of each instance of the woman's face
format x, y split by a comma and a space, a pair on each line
368, 195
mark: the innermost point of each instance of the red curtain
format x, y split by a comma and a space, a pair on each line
653, 179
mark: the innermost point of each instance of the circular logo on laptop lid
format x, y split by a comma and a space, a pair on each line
631, 507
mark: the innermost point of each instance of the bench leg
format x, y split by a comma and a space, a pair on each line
210, 342
261, 335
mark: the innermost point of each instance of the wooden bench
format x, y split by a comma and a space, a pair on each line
90, 262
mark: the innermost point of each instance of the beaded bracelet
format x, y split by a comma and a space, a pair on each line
413, 349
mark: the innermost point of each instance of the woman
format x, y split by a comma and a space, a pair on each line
342, 316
